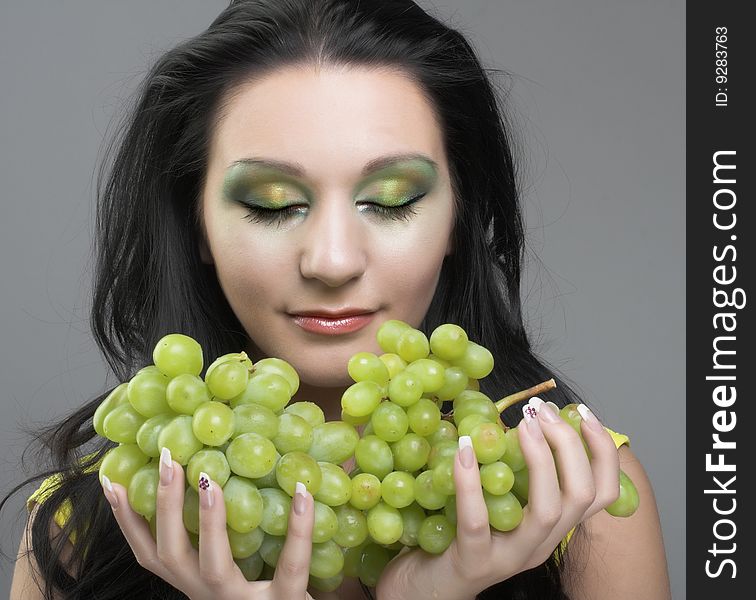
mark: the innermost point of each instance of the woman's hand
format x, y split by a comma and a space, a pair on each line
479, 557
211, 573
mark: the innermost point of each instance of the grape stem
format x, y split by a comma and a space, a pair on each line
508, 401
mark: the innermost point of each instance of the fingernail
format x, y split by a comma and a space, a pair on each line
536, 403
466, 451
166, 466
547, 415
589, 418
300, 498
553, 407
205, 490
107, 489
531, 421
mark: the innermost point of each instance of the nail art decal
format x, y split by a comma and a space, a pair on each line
529, 412
204, 482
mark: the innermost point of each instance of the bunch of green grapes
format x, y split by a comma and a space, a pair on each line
238, 425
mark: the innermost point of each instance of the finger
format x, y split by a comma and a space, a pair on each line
473, 531
604, 461
573, 467
173, 546
544, 508
215, 559
293, 568
134, 528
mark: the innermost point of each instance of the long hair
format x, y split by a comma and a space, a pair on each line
149, 278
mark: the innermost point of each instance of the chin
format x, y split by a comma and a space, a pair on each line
325, 378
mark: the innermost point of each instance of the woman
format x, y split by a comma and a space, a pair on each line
319, 157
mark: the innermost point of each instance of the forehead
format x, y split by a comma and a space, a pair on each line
324, 116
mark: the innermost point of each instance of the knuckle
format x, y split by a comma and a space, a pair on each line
169, 560
147, 562
549, 515
477, 526
212, 577
290, 568
585, 496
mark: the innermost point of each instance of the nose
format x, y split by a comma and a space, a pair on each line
334, 249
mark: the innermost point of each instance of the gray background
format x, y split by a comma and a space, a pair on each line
600, 98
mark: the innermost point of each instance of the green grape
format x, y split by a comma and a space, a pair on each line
352, 558
477, 361
467, 424
142, 490
279, 367
455, 382
184, 393
405, 389
446, 449
521, 485
326, 560
147, 434
240, 357
211, 462
276, 509
398, 489
329, 584
394, 363
366, 491
448, 341
190, 510
298, 466
444, 363
488, 442
446, 431
361, 398
412, 518
118, 396
424, 417
227, 379
389, 421
450, 509
442, 477
176, 353
504, 512
251, 455
213, 423
146, 392
497, 478
373, 455
325, 524
336, 487
352, 527
473, 384
354, 421
251, 566
410, 453
271, 548
471, 402
294, 434
571, 416
333, 442
366, 366
121, 462
412, 345
122, 424
179, 438
268, 480
628, 500
388, 334
309, 411
244, 504
255, 418
431, 373
513, 455
374, 559
425, 495
271, 392
244, 545
436, 534
384, 523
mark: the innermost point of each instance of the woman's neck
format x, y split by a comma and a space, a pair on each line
328, 399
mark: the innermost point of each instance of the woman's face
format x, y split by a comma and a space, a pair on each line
311, 204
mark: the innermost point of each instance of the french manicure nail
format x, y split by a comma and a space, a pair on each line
531, 421
553, 407
546, 414
166, 466
205, 490
300, 499
466, 451
589, 418
107, 488
536, 403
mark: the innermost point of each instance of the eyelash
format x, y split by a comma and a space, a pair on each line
261, 214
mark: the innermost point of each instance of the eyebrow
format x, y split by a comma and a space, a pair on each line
297, 170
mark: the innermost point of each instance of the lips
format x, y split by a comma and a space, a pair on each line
334, 324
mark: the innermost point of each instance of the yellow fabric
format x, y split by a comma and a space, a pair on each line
619, 440
45, 490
